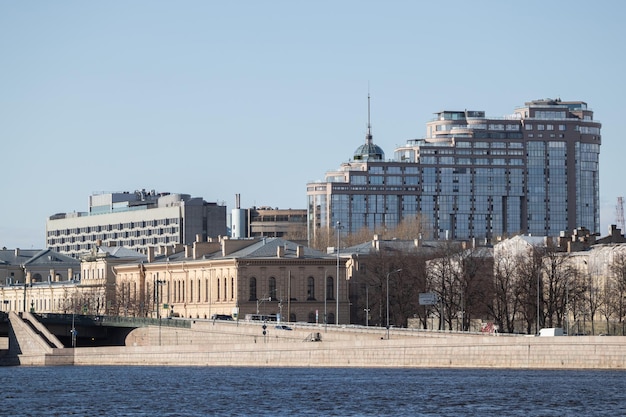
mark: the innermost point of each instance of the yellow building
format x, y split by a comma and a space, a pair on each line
239, 278
36, 280
268, 277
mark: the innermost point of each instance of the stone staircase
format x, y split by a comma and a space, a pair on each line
30, 343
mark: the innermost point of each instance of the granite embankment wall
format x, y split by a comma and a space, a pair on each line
231, 344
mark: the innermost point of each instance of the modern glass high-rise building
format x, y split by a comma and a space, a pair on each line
532, 172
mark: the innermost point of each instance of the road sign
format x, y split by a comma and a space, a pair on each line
428, 298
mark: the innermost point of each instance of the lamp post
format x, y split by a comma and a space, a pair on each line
538, 284
367, 306
338, 227
157, 301
325, 300
389, 273
73, 331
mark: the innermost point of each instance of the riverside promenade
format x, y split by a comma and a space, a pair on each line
230, 343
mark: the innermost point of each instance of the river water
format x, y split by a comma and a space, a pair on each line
206, 391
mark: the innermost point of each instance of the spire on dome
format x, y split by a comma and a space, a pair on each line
369, 151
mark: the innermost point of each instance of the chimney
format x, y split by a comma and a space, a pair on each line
17, 252
150, 254
300, 251
188, 251
280, 251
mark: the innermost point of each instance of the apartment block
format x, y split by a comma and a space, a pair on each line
535, 171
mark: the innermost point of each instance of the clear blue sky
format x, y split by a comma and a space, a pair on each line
215, 98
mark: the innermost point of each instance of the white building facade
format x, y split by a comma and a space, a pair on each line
135, 220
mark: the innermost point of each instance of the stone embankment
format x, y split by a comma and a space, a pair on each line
243, 344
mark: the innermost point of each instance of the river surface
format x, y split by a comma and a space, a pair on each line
206, 391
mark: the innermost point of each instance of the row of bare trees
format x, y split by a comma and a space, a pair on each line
518, 292
459, 277
546, 287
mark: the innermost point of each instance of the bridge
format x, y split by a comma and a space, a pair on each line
46, 334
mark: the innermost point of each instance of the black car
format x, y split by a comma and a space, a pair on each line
221, 317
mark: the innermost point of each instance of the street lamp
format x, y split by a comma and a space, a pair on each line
389, 273
157, 301
367, 306
338, 227
325, 300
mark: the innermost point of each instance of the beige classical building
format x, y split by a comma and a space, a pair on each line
268, 277
35, 279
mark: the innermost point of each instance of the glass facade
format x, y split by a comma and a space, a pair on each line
501, 178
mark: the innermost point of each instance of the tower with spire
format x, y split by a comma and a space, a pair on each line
369, 151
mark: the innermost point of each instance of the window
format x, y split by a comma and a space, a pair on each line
252, 289
310, 292
329, 288
272, 288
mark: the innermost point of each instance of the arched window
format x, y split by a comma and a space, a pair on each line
310, 289
292, 317
252, 289
225, 289
312, 317
331, 318
330, 288
218, 289
272, 288
199, 290
232, 288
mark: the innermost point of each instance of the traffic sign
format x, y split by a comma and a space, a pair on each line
428, 298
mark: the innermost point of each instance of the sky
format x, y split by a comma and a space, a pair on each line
259, 98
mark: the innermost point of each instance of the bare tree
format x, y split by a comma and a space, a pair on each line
529, 285
472, 285
442, 277
369, 289
504, 304
618, 270
408, 229
557, 268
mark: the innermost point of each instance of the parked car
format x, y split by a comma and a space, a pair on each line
221, 317
283, 327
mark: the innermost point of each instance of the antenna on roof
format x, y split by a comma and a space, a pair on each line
368, 135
